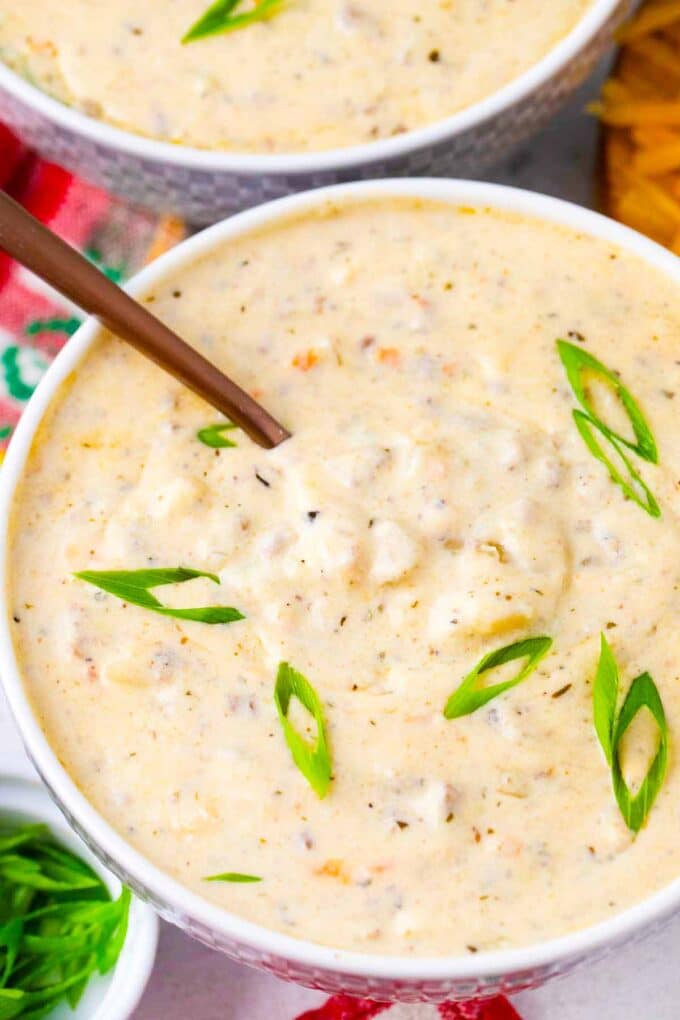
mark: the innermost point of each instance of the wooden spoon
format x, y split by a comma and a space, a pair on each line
39, 249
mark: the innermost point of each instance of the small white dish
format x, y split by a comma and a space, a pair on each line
113, 996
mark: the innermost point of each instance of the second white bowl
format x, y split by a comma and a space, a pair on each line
204, 186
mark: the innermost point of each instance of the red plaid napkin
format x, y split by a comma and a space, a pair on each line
342, 1007
35, 323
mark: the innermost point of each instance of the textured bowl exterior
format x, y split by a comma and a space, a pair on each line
204, 191
385, 978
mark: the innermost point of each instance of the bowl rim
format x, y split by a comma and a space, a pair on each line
125, 984
337, 159
169, 895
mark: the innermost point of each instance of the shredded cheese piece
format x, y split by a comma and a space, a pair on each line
640, 108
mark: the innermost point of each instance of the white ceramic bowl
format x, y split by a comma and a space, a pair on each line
204, 186
113, 996
380, 977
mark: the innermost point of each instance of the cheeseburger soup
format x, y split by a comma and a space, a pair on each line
437, 503
314, 75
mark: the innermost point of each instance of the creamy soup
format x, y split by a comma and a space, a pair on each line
435, 503
317, 74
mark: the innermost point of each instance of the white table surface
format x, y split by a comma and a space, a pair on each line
638, 983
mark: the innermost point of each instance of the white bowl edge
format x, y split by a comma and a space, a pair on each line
549, 954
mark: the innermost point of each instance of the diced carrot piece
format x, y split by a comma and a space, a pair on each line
305, 360
389, 356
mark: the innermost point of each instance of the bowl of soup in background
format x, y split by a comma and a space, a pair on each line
408, 881
157, 167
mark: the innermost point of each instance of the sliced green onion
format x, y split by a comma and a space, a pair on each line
232, 876
36, 874
576, 361
635, 488
213, 435
313, 760
12, 840
605, 696
108, 953
610, 728
470, 695
133, 586
59, 927
221, 17
643, 693
12, 1003
11, 935
211, 21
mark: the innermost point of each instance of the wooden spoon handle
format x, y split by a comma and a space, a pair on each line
39, 249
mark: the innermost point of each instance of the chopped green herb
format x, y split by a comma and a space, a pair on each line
232, 876
643, 693
133, 586
58, 924
313, 760
576, 361
634, 487
14, 839
605, 696
470, 696
610, 729
228, 15
213, 435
